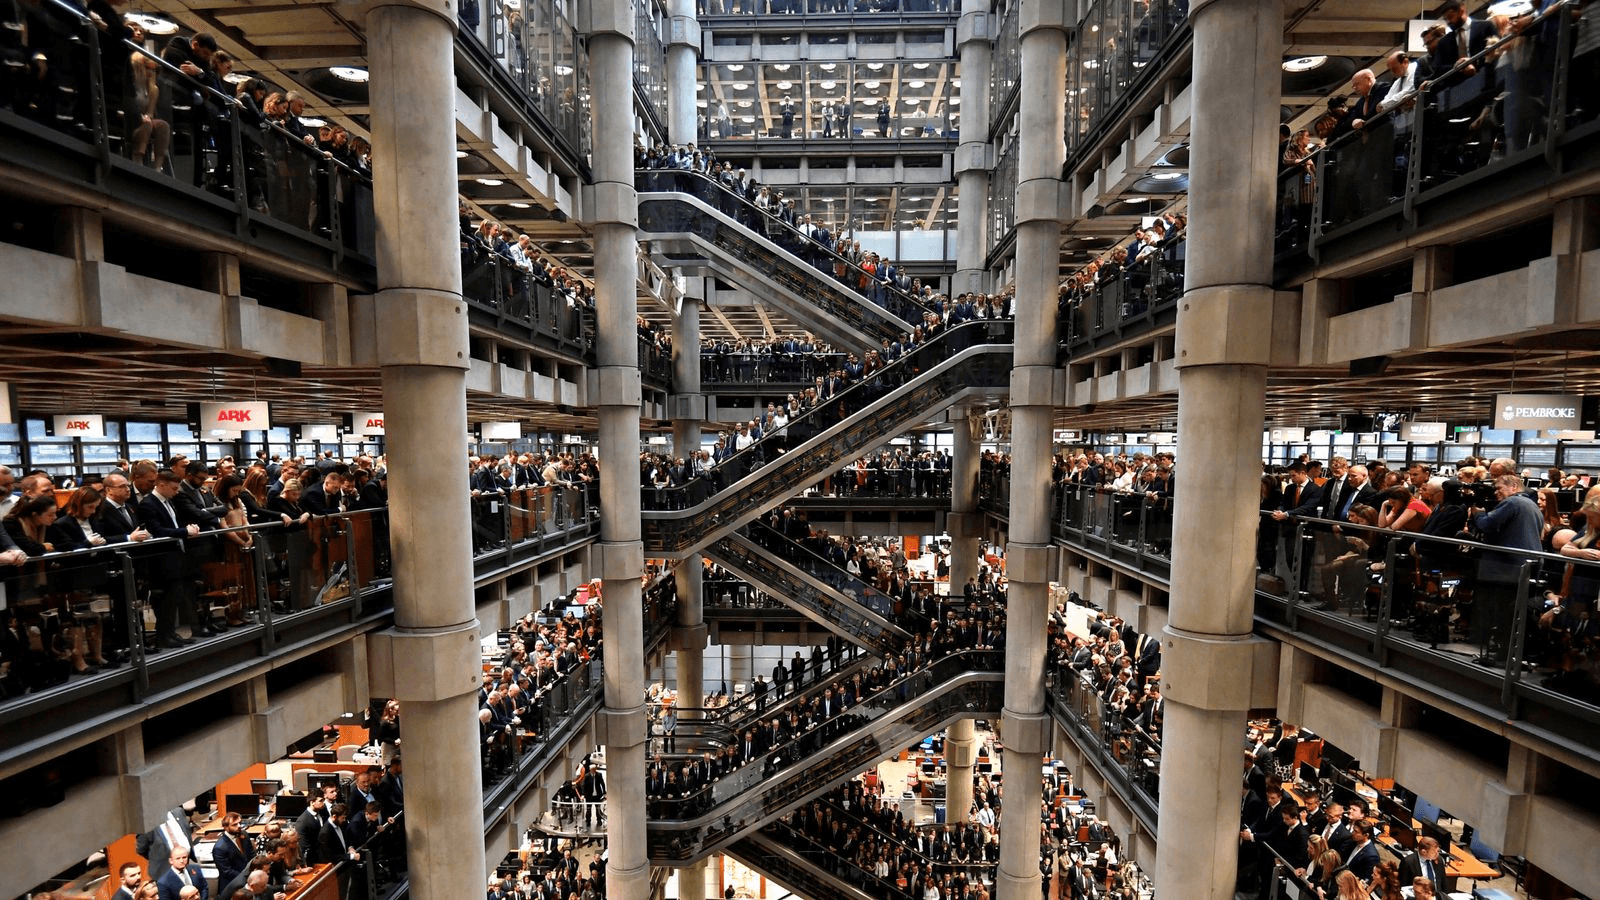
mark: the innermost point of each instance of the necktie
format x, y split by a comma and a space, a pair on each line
183, 876
1461, 41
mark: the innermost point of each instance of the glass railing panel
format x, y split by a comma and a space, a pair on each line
846, 584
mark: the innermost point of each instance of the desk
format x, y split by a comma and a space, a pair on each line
321, 884
1463, 864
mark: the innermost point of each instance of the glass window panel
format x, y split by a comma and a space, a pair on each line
44, 453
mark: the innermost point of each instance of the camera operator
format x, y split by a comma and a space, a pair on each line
1514, 523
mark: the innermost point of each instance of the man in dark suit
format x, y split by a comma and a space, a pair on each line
309, 826
1467, 37
335, 846
1424, 863
231, 852
329, 496
165, 517
181, 874
1363, 857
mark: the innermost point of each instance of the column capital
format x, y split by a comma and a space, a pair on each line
1029, 563
689, 637
420, 327
426, 664
620, 728
1025, 732
618, 386
972, 26
611, 203
1046, 15
971, 156
689, 407
683, 31
1205, 337
1034, 386
618, 560
1215, 672
606, 18
358, 10
1039, 200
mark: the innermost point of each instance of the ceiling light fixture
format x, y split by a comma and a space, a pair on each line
490, 182
1304, 63
354, 74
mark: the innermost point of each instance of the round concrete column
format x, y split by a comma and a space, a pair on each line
1208, 654
422, 343
960, 749
1023, 725
683, 71
614, 212
972, 155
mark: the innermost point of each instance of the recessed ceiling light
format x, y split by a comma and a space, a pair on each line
746, 104
350, 73
152, 24
1166, 176
783, 67
747, 119
955, 82
921, 65
873, 85
910, 101
828, 85
563, 71
518, 204
740, 85
876, 67
955, 101
1091, 64
916, 84
1303, 63
829, 67
736, 68
461, 154
490, 182
785, 85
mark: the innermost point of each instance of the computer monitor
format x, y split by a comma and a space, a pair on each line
266, 787
1440, 834
1344, 795
290, 806
247, 805
324, 755
1338, 759
1425, 811
1390, 805
315, 781
985, 768
1403, 833
1308, 774
930, 769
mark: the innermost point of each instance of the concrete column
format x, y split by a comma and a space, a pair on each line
615, 215
683, 73
960, 750
1024, 726
692, 881
422, 343
972, 155
964, 522
1207, 653
688, 413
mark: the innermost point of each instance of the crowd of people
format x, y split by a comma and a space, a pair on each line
1147, 266
1483, 89
864, 839
1118, 663
178, 107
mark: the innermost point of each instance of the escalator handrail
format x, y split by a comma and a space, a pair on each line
833, 257
852, 392
943, 663
801, 550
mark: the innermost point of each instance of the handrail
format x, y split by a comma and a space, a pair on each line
771, 220
854, 397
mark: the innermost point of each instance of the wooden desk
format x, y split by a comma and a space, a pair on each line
1463, 864
321, 884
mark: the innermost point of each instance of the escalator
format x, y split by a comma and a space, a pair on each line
817, 567
841, 611
968, 362
692, 222
793, 869
697, 727
964, 684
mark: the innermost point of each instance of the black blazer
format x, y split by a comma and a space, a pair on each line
115, 525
